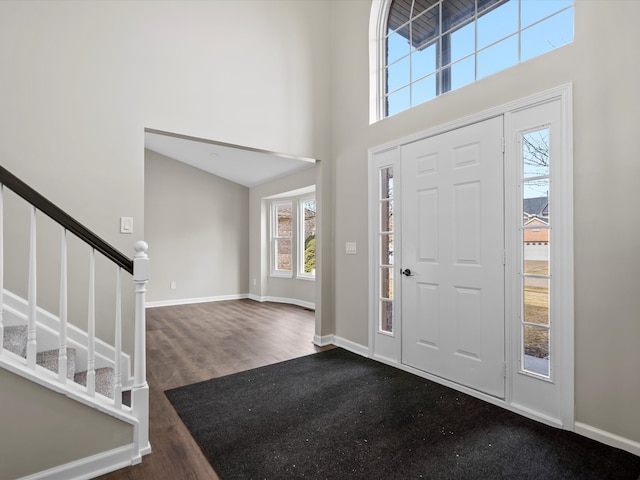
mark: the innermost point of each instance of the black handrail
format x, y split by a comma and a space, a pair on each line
66, 221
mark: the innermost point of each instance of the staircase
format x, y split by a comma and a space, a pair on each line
50, 351
15, 341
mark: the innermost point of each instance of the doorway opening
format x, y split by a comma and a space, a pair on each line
204, 218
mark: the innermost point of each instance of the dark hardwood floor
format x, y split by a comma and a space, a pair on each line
191, 343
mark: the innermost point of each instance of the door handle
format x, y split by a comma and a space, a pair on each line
406, 272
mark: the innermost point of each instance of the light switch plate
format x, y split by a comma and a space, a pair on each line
126, 224
350, 248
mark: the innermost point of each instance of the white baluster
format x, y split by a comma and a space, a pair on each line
117, 389
140, 391
32, 347
1, 268
91, 330
62, 356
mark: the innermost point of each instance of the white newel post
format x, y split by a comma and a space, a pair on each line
140, 391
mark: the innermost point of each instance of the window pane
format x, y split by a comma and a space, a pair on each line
536, 350
398, 14
536, 251
386, 185
425, 27
421, 6
386, 249
423, 62
284, 223
456, 12
487, 4
498, 23
386, 216
398, 101
397, 47
463, 42
283, 254
544, 36
536, 200
386, 316
463, 72
533, 10
498, 57
386, 283
423, 90
536, 300
535, 153
398, 74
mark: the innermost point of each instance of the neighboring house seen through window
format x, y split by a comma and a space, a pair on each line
433, 46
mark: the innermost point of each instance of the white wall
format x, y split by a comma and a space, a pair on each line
606, 174
197, 226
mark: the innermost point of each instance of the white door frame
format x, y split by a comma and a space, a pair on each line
386, 347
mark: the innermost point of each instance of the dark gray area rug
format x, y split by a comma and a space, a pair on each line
338, 415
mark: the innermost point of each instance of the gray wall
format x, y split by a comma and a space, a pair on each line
27, 443
197, 227
82, 80
74, 120
606, 174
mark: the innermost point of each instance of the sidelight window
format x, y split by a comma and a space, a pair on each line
385, 238
536, 239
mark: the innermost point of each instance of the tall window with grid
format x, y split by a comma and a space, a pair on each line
433, 46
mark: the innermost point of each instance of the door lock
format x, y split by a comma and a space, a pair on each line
406, 272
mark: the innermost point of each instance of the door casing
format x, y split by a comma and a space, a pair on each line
386, 347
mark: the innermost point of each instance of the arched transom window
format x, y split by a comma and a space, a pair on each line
430, 47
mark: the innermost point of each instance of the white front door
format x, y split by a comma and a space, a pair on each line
453, 256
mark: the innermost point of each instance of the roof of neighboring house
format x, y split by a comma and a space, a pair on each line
536, 221
538, 206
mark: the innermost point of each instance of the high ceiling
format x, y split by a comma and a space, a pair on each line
242, 165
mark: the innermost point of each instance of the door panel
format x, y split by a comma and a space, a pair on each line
453, 242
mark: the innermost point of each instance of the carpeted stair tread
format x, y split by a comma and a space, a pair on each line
15, 339
49, 360
104, 380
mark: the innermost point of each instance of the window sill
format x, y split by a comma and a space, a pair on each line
277, 274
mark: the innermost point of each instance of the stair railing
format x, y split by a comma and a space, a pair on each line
138, 268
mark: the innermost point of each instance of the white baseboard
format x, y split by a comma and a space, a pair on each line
222, 298
290, 301
323, 341
608, 438
353, 347
187, 301
89, 467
